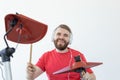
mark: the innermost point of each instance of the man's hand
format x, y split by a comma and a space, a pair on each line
88, 76
30, 71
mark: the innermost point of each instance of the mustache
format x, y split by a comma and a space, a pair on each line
60, 39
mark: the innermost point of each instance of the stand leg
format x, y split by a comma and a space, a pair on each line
7, 69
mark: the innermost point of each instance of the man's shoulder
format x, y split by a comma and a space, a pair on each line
49, 52
75, 51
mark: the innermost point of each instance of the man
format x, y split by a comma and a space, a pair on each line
59, 58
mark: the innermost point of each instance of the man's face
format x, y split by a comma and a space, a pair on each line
61, 38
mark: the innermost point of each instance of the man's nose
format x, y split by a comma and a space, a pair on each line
61, 36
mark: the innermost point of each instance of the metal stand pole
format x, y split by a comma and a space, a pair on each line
7, 68
6, 54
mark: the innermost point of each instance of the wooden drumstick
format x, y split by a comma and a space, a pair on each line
30, 58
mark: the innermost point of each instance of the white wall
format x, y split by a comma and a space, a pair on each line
95, 25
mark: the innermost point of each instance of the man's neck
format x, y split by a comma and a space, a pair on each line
62, 51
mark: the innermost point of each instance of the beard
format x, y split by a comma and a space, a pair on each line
60, 46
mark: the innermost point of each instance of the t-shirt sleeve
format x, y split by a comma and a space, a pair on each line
41, 62
89, 70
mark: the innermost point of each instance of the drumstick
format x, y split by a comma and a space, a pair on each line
30, 58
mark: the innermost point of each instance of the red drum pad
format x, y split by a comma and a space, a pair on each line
77, 65
26, 30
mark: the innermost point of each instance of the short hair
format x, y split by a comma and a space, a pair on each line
64, 27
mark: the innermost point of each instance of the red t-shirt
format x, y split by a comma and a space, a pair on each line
53, 61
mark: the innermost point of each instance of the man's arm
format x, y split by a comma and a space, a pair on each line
33, 71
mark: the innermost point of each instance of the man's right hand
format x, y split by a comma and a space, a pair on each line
30, 71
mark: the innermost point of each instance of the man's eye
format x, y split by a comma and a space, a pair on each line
66, 35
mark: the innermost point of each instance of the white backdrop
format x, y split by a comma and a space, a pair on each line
95, 25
